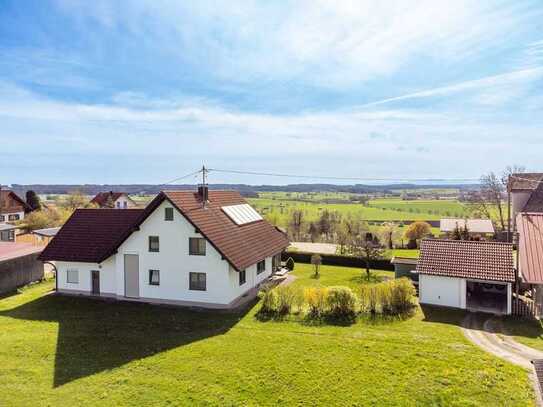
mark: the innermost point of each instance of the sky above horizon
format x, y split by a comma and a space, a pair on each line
145, 91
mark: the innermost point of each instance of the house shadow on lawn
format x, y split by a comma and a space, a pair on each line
442, 315
94, 336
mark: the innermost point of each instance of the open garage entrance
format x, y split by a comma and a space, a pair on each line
487, 296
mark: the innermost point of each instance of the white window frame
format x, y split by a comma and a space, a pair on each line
151, 274
260, 270
72, 280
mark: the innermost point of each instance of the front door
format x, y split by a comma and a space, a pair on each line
95, 282
131, 275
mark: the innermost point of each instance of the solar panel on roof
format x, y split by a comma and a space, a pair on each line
241, 214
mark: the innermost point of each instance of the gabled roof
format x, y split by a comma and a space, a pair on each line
5, 194
91, 235
474, 225
530, 252
527, 181
101, 198
47, 232
467, 259
535, 202
241, 245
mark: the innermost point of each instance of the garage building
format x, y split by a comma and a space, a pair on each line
472, 275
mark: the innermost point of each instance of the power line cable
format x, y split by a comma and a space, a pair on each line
182, 177
284, 175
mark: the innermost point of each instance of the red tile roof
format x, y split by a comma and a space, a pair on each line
530, 252
10, 202
91, 235
467, 259
241, 245
101, 198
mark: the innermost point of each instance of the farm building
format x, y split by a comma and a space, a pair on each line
473, 275
475, 227
206, 249
19, 265
12, 207
530, 255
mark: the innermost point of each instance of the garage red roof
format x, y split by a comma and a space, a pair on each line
480, 260
91, 235
530, 229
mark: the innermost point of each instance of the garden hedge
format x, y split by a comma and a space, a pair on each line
338, 260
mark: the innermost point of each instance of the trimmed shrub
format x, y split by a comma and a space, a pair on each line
270, 302
341, 302
290, 264
316, 298
403, 295
286, 299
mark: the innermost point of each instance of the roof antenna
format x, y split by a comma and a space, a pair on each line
203, 189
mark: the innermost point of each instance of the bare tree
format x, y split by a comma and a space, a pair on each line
316, 261
296, 222
368, 251
388, 233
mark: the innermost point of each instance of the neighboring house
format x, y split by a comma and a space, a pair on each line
116, 200
7, 232
181, 249
12, 207
530, 255
476, 227
473, 275
525, 194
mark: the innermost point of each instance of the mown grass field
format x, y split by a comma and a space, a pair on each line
75, 351
526, 331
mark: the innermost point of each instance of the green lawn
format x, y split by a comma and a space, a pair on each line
413, 254
526, 331
75, 351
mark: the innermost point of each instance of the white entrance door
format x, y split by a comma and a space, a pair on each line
131, 275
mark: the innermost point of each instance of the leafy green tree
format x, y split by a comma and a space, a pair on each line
33, 200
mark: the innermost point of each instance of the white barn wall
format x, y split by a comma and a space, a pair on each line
444, 291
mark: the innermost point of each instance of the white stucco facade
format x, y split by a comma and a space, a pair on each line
11, 216
174, 264
124, 202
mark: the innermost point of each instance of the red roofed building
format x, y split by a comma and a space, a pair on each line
530, 254
113, 200
473, 275
181, 249
12, 207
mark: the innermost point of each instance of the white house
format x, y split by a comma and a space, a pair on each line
113, 200
181, 249
472, 275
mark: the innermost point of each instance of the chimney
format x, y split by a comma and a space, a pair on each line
203, 193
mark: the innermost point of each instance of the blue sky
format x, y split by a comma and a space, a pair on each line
144, 91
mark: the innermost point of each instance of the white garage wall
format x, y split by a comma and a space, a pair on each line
445, 291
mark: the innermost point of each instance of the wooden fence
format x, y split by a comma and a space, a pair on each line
523, 307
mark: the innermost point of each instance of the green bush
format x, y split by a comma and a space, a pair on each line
270, 302
287, 299
290, 264
316, 298
403, 295
341, 302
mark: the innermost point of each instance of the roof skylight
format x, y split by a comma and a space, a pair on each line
242, 214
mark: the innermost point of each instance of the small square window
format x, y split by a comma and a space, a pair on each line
13, 217
197, 281
168, 213
154, 277
197, 246
154, 244
260, 266
2, 218
72, 276
242, 277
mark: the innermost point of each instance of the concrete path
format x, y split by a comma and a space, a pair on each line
481, 330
